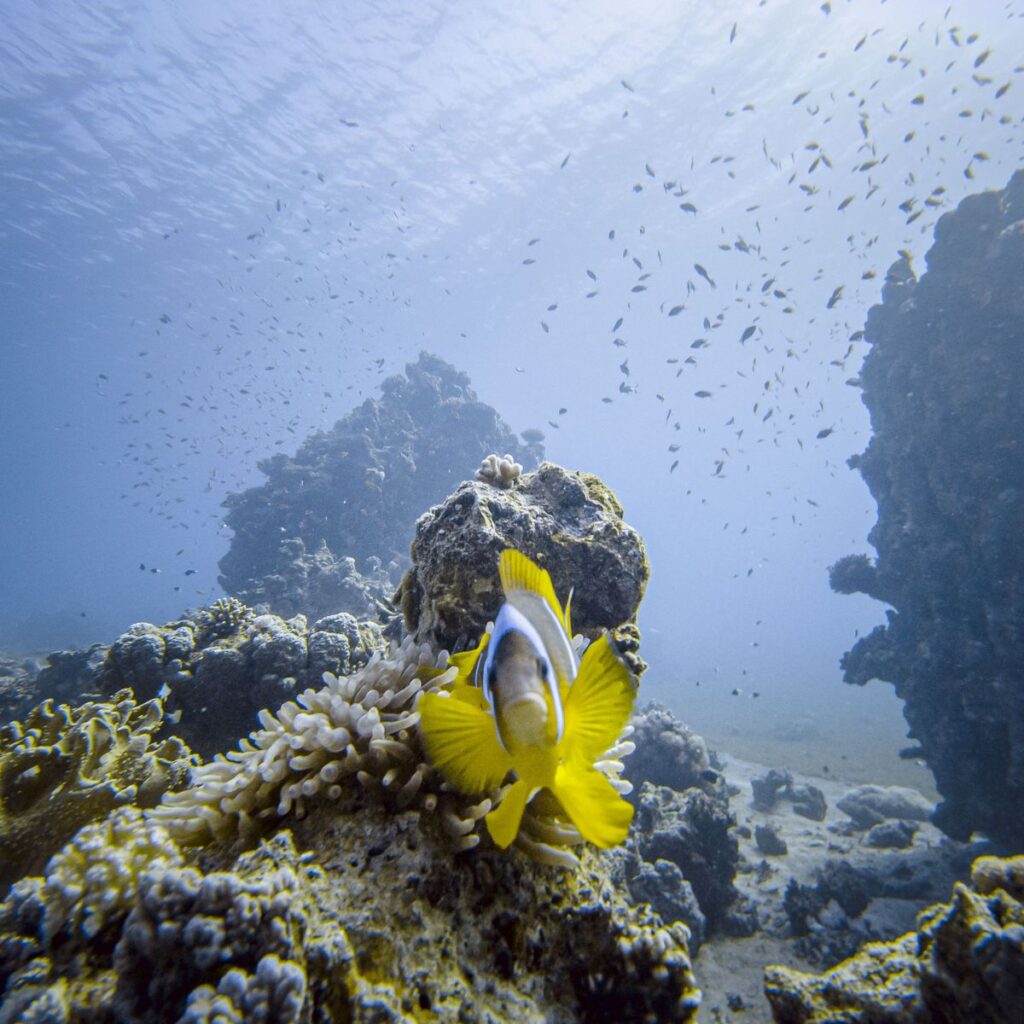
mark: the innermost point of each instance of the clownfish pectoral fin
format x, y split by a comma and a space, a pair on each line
600, 815
520, 574
466, 661
504, 821
461, 741
599, 703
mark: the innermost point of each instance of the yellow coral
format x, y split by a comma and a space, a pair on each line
63, 767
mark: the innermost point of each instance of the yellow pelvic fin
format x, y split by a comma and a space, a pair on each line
599, 704
461, 740
520, 573
600, 815
504, 821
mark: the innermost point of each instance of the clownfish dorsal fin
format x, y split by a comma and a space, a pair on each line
528, 589
520, 574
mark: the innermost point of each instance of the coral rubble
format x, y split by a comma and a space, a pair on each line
354, 493
965, 962
569, 522
945, 464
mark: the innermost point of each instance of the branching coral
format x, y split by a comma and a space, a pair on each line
64, 767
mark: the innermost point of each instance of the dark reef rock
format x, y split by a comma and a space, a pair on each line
943, 383
228, 660
691, 829
569, 522
769, 841
808, 801
671, 897
768, 787
892, 835
355, 491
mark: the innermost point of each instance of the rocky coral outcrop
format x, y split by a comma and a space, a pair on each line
355, 491
668, 753
945, 464
872, 805
569, 522
63, 767
808, 801
692, 829
965, 962
231, 660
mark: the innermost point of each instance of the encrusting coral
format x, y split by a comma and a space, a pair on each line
64, 767
965, 963
120, 929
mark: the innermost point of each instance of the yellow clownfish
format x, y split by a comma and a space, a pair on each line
523, 704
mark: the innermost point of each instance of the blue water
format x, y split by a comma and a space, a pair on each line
223, 224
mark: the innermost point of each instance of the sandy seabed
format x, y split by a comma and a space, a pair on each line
832, 749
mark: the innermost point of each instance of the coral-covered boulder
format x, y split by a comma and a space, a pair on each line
570, 523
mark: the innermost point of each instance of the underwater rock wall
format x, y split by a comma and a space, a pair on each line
354, 493
944, 382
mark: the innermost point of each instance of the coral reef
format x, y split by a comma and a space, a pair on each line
945, 464
354, 741
378, 922
321, 580
569, 522
229, 658
64, 767
356, 491
354, 729
965, 962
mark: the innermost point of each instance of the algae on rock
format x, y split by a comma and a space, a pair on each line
965, 963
